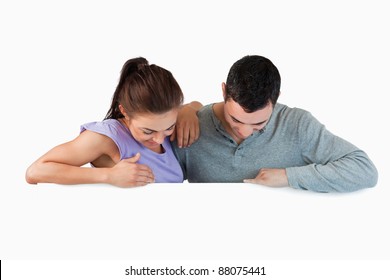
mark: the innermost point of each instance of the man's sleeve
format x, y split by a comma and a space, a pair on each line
333, 164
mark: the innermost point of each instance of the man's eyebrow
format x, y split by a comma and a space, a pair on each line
259, 123
151, 130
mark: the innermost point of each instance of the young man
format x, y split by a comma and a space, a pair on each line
249, 137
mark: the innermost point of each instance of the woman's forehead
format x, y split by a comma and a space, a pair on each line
155, 122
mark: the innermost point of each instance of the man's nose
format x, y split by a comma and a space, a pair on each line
246, 130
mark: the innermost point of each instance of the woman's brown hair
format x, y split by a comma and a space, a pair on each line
145, 88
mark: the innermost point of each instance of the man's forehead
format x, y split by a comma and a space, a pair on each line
238, 113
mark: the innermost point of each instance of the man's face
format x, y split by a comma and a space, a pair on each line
243, 124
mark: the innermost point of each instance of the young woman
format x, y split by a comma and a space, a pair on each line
130, 146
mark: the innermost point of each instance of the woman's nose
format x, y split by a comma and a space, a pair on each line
159, 137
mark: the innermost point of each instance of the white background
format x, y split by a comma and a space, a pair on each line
60, 63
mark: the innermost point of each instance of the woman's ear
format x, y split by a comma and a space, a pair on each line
123, 111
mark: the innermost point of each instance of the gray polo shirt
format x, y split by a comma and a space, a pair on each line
293, 139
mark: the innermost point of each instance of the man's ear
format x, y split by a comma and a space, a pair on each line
224, 91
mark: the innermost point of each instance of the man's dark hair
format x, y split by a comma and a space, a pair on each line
253, 82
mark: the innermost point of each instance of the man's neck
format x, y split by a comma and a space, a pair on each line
218, 109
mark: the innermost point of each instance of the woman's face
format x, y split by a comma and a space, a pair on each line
151, 129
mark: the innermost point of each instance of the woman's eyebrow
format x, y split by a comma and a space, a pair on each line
152, 130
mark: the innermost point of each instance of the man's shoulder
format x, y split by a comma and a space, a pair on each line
206, 116
284, 111
293, 117
206, 110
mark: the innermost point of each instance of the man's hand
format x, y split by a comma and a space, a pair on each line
187, 125
270, 177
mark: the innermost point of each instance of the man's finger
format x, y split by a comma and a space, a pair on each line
251, 181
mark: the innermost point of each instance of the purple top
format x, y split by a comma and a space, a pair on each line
165, 166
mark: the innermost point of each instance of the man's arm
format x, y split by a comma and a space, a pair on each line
333, 164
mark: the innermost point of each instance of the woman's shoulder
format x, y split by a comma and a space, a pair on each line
108, 126
111, 128
114, 130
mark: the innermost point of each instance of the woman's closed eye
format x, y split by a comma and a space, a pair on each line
147, 132
150, 131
